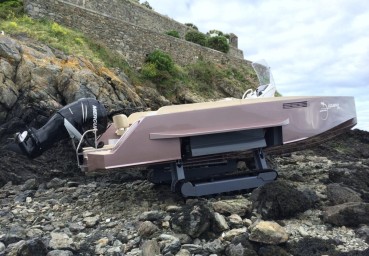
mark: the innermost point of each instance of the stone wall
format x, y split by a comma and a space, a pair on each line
131, 41
133, 13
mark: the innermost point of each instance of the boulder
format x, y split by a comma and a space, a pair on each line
27, 248
194, 220
355, 178
268, 232
278, 199
348, 214
338, 194
241, 207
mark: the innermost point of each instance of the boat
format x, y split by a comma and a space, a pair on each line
196, 147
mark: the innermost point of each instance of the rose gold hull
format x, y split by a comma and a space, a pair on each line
159, 137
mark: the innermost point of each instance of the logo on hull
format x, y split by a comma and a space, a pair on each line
325, 108
94, 117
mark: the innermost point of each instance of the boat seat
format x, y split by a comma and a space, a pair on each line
121, 124
138, 115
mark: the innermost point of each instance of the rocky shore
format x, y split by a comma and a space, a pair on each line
318, 206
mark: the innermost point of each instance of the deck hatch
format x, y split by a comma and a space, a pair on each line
300, 104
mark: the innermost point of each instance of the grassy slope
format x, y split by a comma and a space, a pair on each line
202, 78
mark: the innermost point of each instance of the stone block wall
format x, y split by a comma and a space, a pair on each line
133, 42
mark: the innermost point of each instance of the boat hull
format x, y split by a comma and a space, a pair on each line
160, 136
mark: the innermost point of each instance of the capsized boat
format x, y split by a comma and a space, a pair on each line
196, 147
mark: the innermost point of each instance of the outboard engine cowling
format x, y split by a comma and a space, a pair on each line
70, 121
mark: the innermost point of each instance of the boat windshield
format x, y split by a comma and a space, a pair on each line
263, 72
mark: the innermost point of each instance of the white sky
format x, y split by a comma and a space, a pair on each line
312, 47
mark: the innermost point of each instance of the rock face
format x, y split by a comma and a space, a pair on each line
36, 81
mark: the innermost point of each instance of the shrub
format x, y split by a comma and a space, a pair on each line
10, 9
196, 37
173, 33
149, 70
218, 43
161, 60
159, 67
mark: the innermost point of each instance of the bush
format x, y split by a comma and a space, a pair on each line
149, 70
173, 33
218, 43
10, 9
196, 37
161, 60
159, 67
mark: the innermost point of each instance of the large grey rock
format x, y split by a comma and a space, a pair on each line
56, 183
214, 246
338, 194
169, 244
278, 199
150, 248
147, 228
354, 178
220, 222
231, 206
91, 221
10, 49
61, 241
229, 235
152, 215
268, 232
15, 234
30, 184
193, 220
27, 248
347, 214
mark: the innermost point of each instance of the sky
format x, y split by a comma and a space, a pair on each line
313, 47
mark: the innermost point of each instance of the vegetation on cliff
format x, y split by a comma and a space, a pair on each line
204, 79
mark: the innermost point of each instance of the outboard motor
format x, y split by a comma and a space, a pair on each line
70, 121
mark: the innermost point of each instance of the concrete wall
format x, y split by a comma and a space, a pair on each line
131, 41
